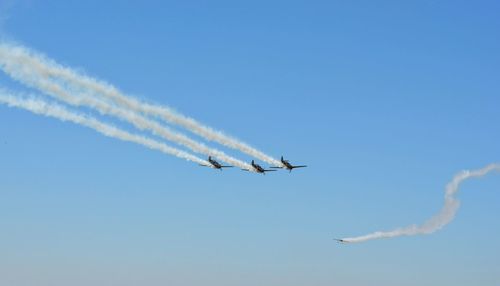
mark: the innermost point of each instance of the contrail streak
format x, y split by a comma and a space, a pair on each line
31, 61
438, 221
44, 84
57, 111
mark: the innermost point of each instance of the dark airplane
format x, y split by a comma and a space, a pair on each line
287, 165
340, 240
214, 164
257, 168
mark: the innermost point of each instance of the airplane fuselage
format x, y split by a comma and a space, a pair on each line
258, 168
214, 163
287, 165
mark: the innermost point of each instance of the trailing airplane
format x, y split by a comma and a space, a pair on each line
287, 165
214, 164
257, 168
340, 240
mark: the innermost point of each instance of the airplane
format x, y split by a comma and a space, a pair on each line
340, 240
214, 164
287, 165
257, 168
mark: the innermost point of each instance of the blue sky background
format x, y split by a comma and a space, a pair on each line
384, 100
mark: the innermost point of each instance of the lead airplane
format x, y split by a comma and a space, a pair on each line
214, 164
287, 165
257, 168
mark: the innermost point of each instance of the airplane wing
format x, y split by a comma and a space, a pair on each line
303, 166
270, 170
204, 165
276, 167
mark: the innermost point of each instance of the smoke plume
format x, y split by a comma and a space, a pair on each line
438, 221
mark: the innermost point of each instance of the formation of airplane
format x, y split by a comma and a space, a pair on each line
255, 167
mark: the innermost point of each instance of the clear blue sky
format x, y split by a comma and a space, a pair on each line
384, 100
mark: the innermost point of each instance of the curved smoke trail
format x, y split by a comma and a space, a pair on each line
53, 110
438, 221
13, 54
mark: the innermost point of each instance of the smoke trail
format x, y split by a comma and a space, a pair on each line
28, 76
438, 221
10, 54
53, 110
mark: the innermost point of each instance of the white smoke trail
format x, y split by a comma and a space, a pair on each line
41, 107
13, 54
438, 221
27, 76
